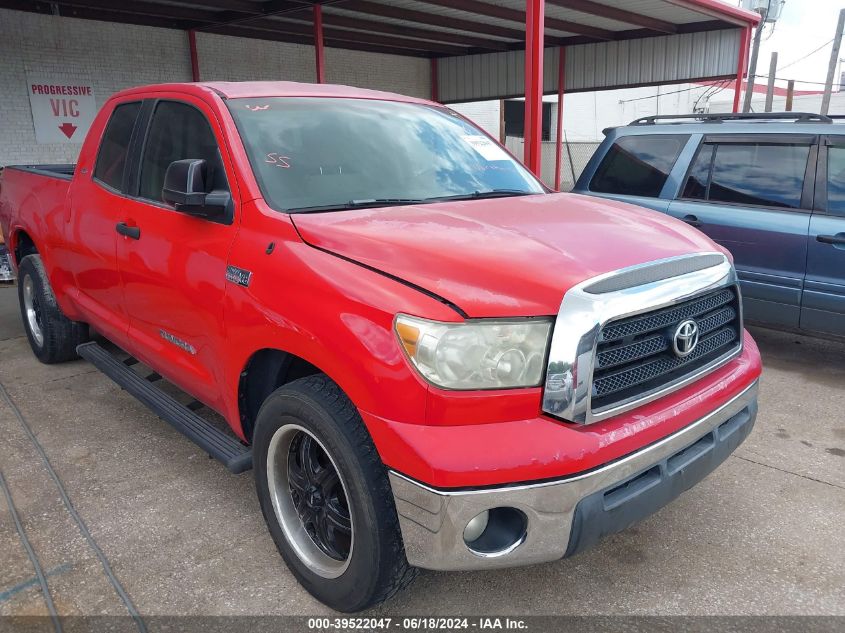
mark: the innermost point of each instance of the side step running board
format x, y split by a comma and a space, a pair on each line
234, 455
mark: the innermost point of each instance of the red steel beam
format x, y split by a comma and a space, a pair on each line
533, 134
332, 34
319, 58
561, 76
741, 64
421, 17
192, 47
346, 22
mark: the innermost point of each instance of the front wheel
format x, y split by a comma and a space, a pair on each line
326, 497
52, 336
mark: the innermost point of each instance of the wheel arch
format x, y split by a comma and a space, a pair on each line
266, 370
21, 245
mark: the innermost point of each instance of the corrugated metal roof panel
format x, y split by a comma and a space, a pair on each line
339, 10
563, 13
626, 63
660, 9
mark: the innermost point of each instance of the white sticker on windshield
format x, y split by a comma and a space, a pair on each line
484, 146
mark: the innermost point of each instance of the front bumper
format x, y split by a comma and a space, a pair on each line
565, 516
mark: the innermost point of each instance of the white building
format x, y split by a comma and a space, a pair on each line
586, 114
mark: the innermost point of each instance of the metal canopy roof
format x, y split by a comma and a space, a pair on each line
420, 28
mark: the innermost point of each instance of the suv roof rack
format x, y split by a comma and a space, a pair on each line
718, 117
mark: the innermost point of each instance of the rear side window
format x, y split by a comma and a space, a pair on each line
836, 179
638, 165
179, 131
111, 159
753, 174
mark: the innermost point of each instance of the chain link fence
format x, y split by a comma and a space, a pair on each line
574, 158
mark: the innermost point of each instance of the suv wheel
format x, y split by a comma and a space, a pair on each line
326, 497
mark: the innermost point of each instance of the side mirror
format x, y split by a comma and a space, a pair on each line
185, 189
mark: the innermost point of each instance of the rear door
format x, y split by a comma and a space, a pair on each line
96, 197
823, 304
752, 194
173, 265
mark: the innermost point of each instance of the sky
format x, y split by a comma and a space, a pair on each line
804, 26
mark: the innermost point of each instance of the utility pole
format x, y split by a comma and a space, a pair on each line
790, 93
834, 58
770, 90
752, 69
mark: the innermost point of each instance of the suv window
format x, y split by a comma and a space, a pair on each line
753, 174
836, 179
638, 165
111, 159
178, 131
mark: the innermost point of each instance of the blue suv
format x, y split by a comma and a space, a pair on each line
768, 187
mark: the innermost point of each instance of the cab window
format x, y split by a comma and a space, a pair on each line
178, 131
111, 158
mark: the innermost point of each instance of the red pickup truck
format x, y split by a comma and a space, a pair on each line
429, 358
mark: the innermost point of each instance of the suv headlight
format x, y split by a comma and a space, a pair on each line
477, 354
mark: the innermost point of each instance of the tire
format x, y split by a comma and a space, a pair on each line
312, 416
52, 336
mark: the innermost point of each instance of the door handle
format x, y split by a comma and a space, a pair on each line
692, 220
837, 240
129, 231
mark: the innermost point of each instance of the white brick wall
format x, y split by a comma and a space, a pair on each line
117, 56
485, 114
226, 58
110, 56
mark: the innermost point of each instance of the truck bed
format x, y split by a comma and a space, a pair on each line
63, 171
32, 195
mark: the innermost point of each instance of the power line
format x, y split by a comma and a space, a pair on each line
801, 59
674, 92
798, 81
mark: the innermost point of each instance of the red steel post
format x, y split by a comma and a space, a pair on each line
742, 62
318, 44
192, 46
561, 75
534, 26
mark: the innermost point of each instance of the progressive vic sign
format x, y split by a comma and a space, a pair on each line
62, 111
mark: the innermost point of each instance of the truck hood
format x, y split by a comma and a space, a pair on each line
502, 257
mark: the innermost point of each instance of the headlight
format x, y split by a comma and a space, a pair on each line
480, 354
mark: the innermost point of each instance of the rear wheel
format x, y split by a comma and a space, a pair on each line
326, 497
52, 336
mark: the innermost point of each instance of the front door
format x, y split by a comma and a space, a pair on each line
748, 194
173, 265
823, 305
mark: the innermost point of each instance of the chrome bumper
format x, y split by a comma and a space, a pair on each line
433, 521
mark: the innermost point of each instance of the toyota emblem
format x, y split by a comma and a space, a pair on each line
685, 338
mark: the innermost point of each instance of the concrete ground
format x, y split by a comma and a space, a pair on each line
762, 535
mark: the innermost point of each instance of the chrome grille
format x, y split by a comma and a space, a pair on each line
634, 356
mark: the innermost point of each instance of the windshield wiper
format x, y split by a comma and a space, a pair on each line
479, 195
370, 203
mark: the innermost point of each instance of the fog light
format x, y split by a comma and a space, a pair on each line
496, 532
476, 526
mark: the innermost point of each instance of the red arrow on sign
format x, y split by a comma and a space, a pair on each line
67, 129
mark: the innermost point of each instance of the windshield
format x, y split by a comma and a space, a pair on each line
322, 154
